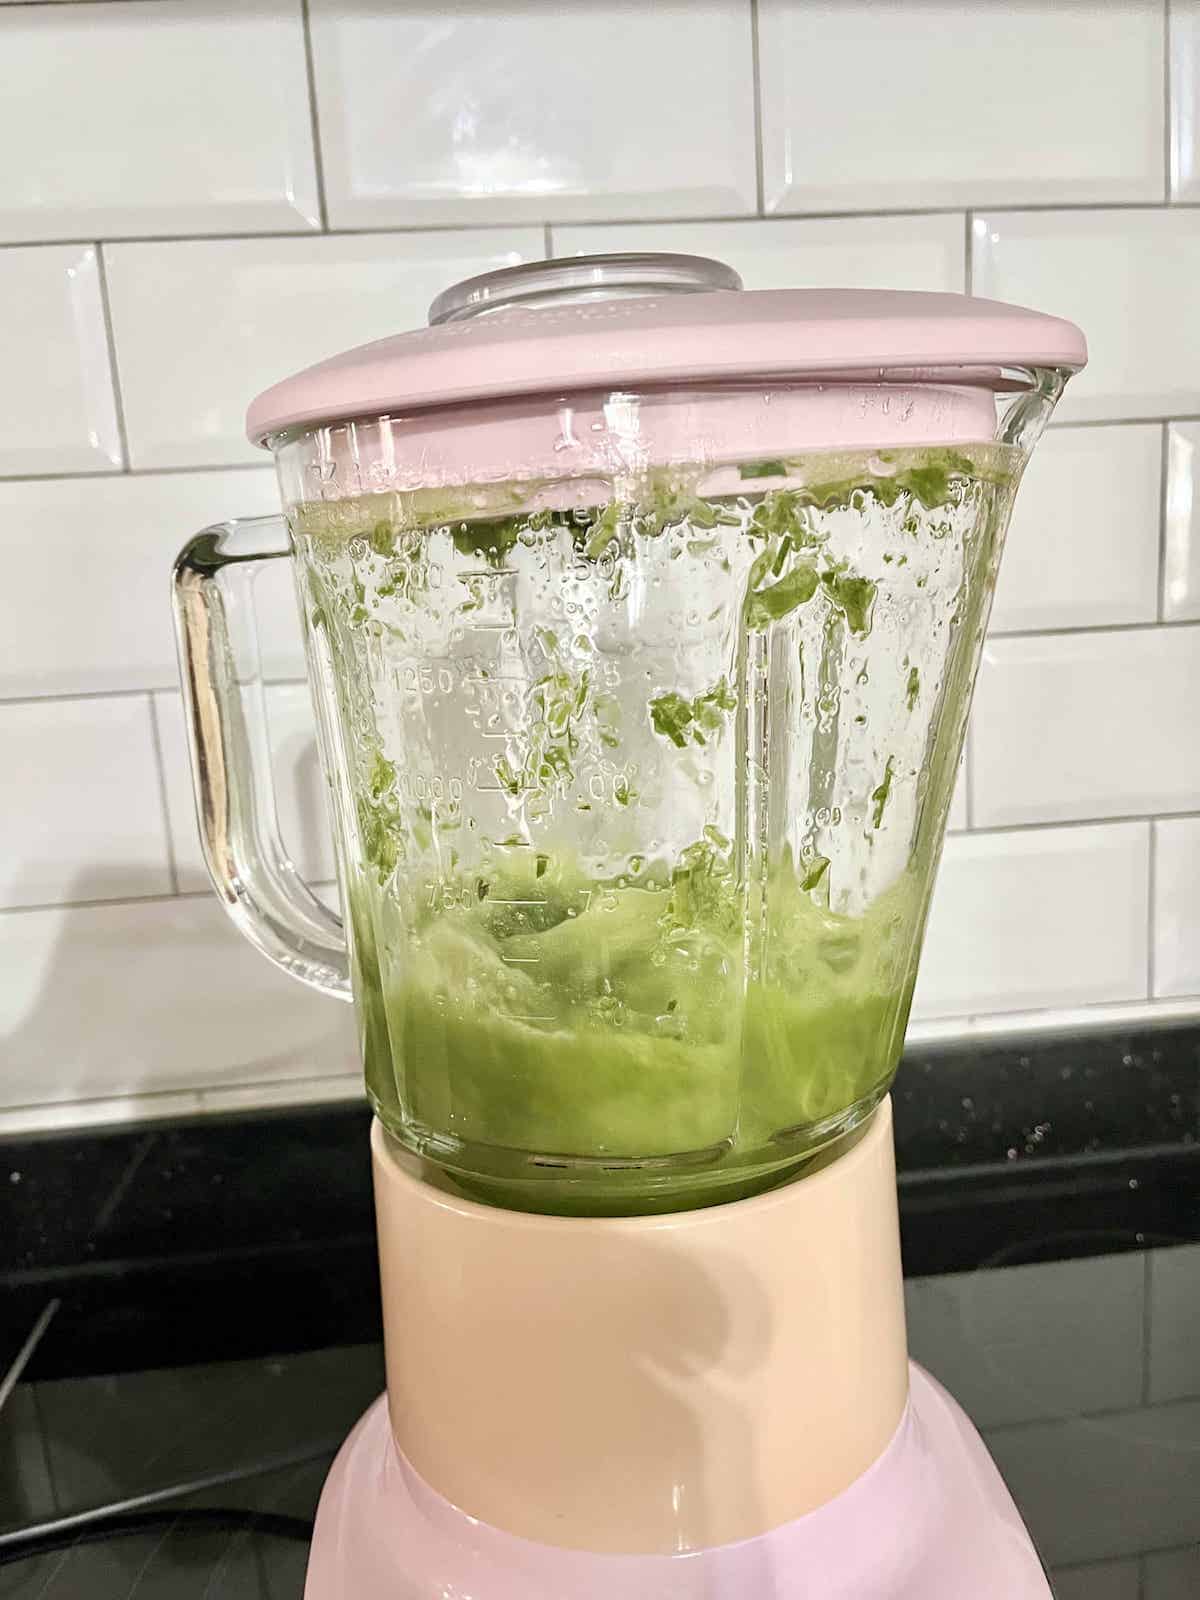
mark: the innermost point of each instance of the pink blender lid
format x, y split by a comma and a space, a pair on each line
615, 322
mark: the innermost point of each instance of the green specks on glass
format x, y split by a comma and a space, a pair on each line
913, 691
378, 812
671, 715
814, 870
782, 514
382, 539
763, 469
684, 721
491, 540
854, 597
881, 795
508, 780
382, 778
795, 588
605, 531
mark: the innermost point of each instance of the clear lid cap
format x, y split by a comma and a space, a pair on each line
601, 277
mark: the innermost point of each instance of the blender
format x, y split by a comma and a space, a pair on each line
642, 614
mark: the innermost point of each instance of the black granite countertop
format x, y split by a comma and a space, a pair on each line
230, 1237
198, 1305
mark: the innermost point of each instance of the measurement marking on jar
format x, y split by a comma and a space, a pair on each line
528, 1016
490, 572
496, 901
522, 961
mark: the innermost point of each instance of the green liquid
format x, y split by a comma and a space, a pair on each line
620, 1028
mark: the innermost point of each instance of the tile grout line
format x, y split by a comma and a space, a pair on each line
969, 252
1152, 625
116, 474
124, 900
547, 241
114, 369
1164, 474
314, 116
1168, 110
291, 680
480, 225
756, 89
1122, 820
164, 807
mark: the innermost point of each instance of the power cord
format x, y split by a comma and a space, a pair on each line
116, 1518
45, 1540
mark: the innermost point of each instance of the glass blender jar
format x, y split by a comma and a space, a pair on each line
642, 614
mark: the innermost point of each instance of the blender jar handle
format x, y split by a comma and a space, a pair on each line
231, 768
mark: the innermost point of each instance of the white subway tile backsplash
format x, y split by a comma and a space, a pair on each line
57, 408
300, 789
907, 252
263, 309
151, 997
1043, 917
1086, 725
1176, 928
1006, 1340
1181, 533
1082, 549
463, 114
1184, 69
485, 136
1128, 278
940, 103
305, 811
154, 117
80, 808
88, 563
280, 636
1100, 1487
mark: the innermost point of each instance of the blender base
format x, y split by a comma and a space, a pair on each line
930, 1519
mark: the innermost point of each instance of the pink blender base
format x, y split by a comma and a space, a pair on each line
931, 1519
706, 1405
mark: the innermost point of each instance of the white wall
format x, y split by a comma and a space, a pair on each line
196, 199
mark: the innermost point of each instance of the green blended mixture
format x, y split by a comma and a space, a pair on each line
693, 1022
586, 1020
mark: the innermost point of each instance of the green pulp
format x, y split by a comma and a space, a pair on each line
703, 1019
612, 1025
